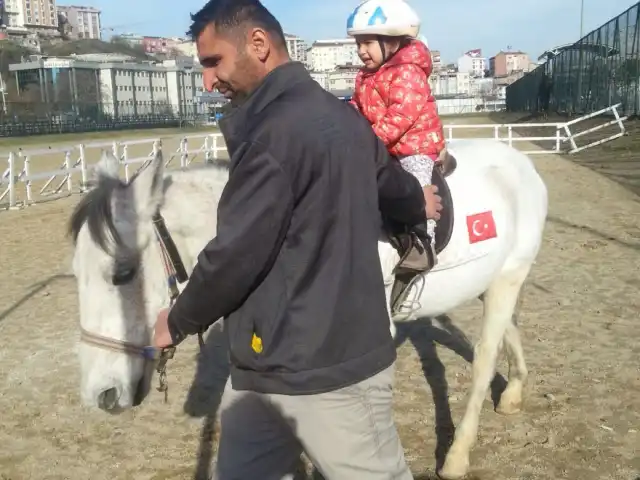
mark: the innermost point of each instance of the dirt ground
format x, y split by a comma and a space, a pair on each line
579, 324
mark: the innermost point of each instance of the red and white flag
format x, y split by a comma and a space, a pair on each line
481, 227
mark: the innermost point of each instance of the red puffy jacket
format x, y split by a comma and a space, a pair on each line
397, 101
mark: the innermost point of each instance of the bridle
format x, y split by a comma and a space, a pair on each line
175, 273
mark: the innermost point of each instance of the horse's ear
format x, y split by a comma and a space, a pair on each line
148, 186
108, 166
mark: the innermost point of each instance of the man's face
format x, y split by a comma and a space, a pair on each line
230, 61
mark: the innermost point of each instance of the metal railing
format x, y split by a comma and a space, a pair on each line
507, 132
41, 118
21, 170
22, 179
600, 69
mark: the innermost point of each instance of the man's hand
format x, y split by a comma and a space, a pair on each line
161, 335
433, 201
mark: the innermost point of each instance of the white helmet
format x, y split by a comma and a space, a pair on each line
393, 18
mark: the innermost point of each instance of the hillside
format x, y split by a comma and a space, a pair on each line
64, 49
12, 53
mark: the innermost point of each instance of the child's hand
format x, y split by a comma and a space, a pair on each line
433, 201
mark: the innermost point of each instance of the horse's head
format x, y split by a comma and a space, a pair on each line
121, 283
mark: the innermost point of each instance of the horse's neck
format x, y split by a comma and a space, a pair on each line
190, 208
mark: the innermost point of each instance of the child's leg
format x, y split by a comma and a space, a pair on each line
421, 167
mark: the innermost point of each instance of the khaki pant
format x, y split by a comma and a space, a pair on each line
348, 434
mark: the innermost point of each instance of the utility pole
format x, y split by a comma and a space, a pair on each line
3, 93
581, 18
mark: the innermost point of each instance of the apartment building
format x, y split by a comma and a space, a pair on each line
38, 15
473, 63
506, 63
297, 48
82, 22
327, 55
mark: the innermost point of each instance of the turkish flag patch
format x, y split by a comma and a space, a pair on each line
481, 227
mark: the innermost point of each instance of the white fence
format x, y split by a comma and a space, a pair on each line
21, 179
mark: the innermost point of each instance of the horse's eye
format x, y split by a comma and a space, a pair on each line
123, 275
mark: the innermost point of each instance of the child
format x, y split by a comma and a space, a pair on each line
392, 90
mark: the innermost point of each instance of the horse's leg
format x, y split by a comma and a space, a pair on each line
499, 304
511, 399
388, 259
392, 325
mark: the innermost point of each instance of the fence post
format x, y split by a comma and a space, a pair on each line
570, 138
184, 148
510, 128
558, 137
125, 157
83, 168
215, 145
67, 166
207, 151
617, 115
12, 180
496, 134
27, 173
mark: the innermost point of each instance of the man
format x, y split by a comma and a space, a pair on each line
294, 267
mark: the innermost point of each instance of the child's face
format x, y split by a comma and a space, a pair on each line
370, 52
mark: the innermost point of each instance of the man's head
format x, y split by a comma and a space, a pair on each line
239, 42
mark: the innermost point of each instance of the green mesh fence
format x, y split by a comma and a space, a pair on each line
599, 70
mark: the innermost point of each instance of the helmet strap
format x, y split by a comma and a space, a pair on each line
383, 49
404, 41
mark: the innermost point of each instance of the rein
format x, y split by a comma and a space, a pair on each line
176, 273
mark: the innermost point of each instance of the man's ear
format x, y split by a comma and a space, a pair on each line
259, 43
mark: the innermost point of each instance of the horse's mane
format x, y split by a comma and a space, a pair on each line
95, 209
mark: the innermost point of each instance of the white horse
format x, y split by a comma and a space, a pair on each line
488, 256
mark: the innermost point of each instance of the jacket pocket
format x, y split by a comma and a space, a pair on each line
259, 323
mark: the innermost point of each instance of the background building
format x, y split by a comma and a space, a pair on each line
297, 48
506, 63
13, 14
41, 15
473, 63
82, 22
436, 60
36, 15
450, 83
343, 77
326, 55
96, 85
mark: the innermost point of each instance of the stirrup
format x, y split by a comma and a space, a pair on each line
413, 266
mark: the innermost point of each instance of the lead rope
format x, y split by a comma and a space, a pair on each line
168, 353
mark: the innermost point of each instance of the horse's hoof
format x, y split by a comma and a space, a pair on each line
510, 402
454, 469
507, 409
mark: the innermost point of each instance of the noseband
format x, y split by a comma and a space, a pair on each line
175, 273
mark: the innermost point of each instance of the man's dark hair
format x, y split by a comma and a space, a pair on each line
236, 15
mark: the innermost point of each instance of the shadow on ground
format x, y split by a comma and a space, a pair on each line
203, 399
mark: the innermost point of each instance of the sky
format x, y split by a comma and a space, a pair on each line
451, 26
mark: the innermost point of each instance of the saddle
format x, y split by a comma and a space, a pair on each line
416, 257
